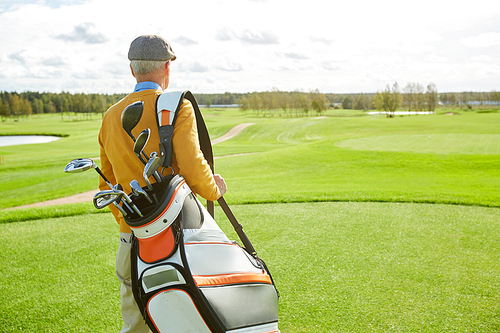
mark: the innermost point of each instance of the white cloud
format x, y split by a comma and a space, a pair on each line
487, 39
83, 33
239, 46
482, 58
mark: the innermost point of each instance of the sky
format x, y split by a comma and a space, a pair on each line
253, 45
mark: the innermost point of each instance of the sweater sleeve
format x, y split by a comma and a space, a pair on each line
188, 156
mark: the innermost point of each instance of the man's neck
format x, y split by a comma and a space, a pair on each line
146, 85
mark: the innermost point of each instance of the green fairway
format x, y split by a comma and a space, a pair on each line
468, 144
367, 223
340, 267
355, 158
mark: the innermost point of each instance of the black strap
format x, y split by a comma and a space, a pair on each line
237, 227
204, 138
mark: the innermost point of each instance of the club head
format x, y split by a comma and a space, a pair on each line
141, 141
138, 190
131, 116
104, 198
153, 164
80, 165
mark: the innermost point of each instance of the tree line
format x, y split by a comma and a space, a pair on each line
412, 97
13, 104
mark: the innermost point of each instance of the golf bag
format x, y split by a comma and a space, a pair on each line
187, 276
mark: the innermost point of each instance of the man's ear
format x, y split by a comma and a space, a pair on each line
132, 71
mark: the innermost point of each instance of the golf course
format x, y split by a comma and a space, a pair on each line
367, 223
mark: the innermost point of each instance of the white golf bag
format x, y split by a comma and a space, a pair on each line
187, 275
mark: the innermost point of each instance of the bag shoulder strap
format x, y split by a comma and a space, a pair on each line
167, 106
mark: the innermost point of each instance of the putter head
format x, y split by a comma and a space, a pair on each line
79, 165
141, 141
104, 198
131, 116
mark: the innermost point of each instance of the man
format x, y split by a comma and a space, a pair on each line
150, 58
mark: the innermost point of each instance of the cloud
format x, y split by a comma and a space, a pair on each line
482, 58
82, 33
195, 67
225, 34
325, 41
487, 39
54, 61
296, 56
258, 37
185, 41
18, 57
15, 4
230, 67
329, 66
252, 37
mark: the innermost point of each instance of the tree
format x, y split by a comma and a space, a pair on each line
347, 102
15, 101
431, 97
389, 99
362, 102
4, 109
25, 107
409, 96
319, 102
419, 97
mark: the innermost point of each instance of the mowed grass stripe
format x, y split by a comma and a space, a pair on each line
478, 144
298, 160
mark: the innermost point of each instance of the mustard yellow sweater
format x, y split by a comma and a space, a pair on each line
120, 165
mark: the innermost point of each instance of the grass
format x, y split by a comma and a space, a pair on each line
367, 225
348, 267
316, 153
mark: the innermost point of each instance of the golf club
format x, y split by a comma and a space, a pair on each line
120, 208
156, 174
140, 143
84, 164
104, 198
138, 190
126, 199
130, 118
153, 164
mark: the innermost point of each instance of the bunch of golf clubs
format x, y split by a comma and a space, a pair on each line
130, 118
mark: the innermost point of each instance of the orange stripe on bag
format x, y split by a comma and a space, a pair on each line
235, 278
165, 117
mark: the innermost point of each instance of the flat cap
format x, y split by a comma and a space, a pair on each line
151, 47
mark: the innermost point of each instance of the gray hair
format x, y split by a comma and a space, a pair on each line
146, 66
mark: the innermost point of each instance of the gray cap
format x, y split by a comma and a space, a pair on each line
151, 47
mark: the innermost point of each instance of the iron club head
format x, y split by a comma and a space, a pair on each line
138, 190
84, 164
149, 169
104, 198
79, 165
140, 143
